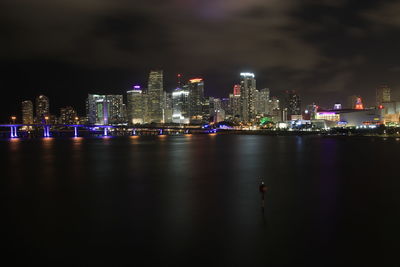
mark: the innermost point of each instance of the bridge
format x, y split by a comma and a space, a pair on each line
160, 129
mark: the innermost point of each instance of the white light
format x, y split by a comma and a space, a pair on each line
247, 74
179, 93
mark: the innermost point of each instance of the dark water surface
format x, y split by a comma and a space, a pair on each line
194, 200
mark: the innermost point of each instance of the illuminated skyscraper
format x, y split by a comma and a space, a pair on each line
68, 115
195, 87
27, 112
293, 104
236, 90
105, 109
262, 98
382, 95
156, 94
180, 104
42, 108
136, 106
247, 96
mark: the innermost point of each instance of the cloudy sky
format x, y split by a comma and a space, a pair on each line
325, 49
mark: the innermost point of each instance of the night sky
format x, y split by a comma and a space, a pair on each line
325, 49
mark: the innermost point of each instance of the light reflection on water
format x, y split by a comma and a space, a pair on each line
173, 198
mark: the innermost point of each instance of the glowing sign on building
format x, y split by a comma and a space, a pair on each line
329, 116
196, 80
359, 104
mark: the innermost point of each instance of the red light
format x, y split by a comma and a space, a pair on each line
380, 107
179, 75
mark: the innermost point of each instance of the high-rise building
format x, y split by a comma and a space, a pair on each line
195, 87
68, 115
262, 99
382, 95
42, 108
136, 106
27, 112
156, 94
180, 105
105, 109
247, 96
236, 90
293, 104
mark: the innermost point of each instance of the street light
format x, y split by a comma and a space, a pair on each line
76, 119
13, 118
46, 118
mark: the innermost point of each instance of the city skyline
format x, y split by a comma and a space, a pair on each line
326, 50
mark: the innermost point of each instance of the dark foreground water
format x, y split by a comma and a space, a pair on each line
194, 200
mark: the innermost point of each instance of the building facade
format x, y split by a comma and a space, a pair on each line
68, 115
105, 109
155, 95
382, 95
180, 106
247, 97
136, 109
195, 87
42, 108
27, 112
293, 104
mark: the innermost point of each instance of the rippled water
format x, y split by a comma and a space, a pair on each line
194, 200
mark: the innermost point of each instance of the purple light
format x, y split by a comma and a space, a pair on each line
326, 113
136, 87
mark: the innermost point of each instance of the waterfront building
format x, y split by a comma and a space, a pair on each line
136, 106
68, 115
293, 105
42, 108
195, 87
262, 99
180, 104
247, 97
27, 112
155, 95
105, 109
382, 95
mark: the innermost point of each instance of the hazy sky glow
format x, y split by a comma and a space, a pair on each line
325, 49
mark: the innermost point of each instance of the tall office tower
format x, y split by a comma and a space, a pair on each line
27, 112
382, 95
262, 101
155, 92
104, 109
247, 96
293, 104
234, 106
68, 115
42, 108
168, 107
116, 109
195, 87
236, 89
136, 106
180, 106
272, 105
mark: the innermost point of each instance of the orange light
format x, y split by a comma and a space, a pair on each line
46, 118
196, 80
13, 118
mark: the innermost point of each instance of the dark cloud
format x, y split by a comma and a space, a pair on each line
319, 47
